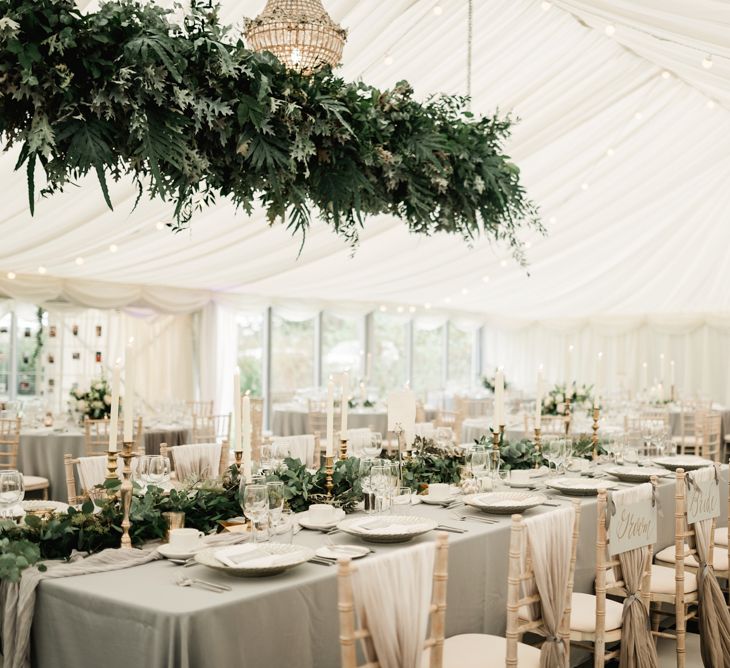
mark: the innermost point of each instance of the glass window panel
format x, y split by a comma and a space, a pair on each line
341, 345
460, 348
292, 355
428, 359
28, 352
389, 363
250, 351
5, 355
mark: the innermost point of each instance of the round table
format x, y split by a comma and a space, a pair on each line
291, 419
41, 451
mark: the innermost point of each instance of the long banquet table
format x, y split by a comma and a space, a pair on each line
141, 617
41, 451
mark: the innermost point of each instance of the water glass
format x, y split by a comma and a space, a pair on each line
374, 447
275, 491
12, 490
402, 501
255, 505
283, 531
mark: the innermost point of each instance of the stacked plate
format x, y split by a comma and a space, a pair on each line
306, 521
505, 503
263, 559
636, 473
686, 462
580, 486
387, 529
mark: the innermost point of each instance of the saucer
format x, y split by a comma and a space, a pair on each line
170, 552
306, 522
337, 551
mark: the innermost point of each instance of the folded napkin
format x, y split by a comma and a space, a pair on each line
250, 555
388, 525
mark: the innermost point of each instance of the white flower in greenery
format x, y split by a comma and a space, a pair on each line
99, 386
560, 408
547, 401
559, 398
108, 399
81, 405
97, 404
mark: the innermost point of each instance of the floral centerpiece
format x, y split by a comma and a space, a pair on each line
94, 403
554, 402
518, 455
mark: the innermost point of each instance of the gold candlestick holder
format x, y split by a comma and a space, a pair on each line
111, 468
671, 394
496, 454
594, 437
329, 467
538, 447
126, 493
343, 449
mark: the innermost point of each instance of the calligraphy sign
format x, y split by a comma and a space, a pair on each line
703, 499
632, 525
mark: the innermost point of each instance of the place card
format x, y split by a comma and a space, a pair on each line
703, 499
632, 525
402, 411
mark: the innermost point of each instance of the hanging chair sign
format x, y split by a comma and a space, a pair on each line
703, 498
632, 525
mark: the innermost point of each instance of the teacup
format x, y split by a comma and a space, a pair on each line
185, 539
321, 513
439, 491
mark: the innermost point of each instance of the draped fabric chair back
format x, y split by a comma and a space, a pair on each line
9, 442
211, 428
354, 629
610, 578
96, 436
200, 408
317, 418
304, 447
525, 607
91, 472
197, 461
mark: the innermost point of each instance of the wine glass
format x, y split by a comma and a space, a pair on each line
402, 500
479, 463
552, 450
275, 490
375, 446
366, 466
158, 470
444, 437
12, 490
255, 504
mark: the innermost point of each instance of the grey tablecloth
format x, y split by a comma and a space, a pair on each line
41, 452
291, 420
140, 617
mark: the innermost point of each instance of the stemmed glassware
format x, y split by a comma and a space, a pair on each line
479, 461
375, 446
153, 470
554, 450
255, 505
12, 490
275, 490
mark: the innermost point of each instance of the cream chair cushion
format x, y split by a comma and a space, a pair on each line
719, 558
721, 536
662, 580
33, 482
477, 650
583, 613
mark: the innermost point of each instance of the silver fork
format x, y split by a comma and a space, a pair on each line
203, 584
484, 520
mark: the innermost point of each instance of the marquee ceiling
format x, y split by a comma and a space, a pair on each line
624, 142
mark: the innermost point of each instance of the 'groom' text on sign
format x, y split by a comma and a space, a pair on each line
632, 526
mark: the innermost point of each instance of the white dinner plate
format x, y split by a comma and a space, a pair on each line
277, 558
686, 462
171, 552
439, 501
305, 521
636, 473
505, 503
387, 528
337, 551
581, 486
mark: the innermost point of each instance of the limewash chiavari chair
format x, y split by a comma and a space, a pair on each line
451, 419
420, 411
96, 436
209, 459
92, 472
476, 650
707, 438
9, 447
210, 428
353, 629
199, 408
550, 426
307, 448
317, 418
597, 621
474, 408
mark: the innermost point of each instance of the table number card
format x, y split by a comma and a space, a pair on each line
402, 410
633, 525
703, 499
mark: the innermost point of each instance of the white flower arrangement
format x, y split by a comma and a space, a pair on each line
94, 403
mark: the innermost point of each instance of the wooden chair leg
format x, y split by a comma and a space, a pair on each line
681, 614
45, 493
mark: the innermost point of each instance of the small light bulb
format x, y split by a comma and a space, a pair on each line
113, 248
610, 152
710, 104
447, 300
707, 61
411, 309
389, 60
546, 5
41, 270
383, 308
528, 245
438, 10
584, 186
610, 29
666, 74
503, 263
79, 261
427, 306
160, 225
11, 275
400, 309
638, 115
553, 220
464, 291
485, 279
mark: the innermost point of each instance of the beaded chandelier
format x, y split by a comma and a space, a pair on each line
299, 33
